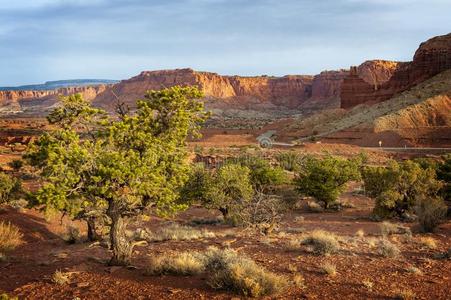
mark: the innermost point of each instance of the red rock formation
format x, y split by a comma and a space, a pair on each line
431, 58
287, 91
16, 101
327, 84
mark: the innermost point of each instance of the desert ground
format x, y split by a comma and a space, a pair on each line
358, 270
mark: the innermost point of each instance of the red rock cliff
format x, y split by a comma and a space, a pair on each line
431, 58
288, 91
16, 101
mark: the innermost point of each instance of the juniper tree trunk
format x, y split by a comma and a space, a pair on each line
120, 244
92, 230
224, 211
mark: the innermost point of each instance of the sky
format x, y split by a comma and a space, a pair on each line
42, 40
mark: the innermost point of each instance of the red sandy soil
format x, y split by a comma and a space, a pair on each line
28, 270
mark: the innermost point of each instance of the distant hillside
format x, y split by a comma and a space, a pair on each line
51, 85
418, 116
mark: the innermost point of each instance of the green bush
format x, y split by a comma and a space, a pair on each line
325, 179
290, 161
196, 187
10, 188
229, 190
263, 176
16, 164
444, 174
399, 186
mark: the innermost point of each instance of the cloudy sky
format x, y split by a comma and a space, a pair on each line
44, 40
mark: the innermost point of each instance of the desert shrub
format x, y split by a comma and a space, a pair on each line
290, 161
10, 237
444, 174
7, 297
263, 212
229, 190
398, 187
10, 188
299, 281
176, 232
387, 248
263, 176
329, 269
428, 242
185, 263
16, 164
230, 271
388, 228
430, 212
322, 242
60, 278
325, 179
195, 188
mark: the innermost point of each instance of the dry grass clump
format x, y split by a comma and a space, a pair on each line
314, 206
360, 233
322, 242
292, 245
184, 263
225, 269
329, 269
178, 233
388, 228
387, 248
292, 268
60, 278
428, 242
10, 237
299, 281
371, 242
230, 271
368, 284
414, 270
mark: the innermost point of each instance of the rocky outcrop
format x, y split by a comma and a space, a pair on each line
431, 58
327, 84
287, 91
41, 101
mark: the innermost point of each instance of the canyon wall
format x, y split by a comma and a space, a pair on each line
15, 101
431, 58
246, 92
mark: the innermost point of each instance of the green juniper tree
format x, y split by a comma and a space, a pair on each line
229, 189
398, 187
131, 164
325, 179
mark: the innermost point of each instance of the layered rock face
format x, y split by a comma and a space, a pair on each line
40, 101
431, 58
327, 84
287, 91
